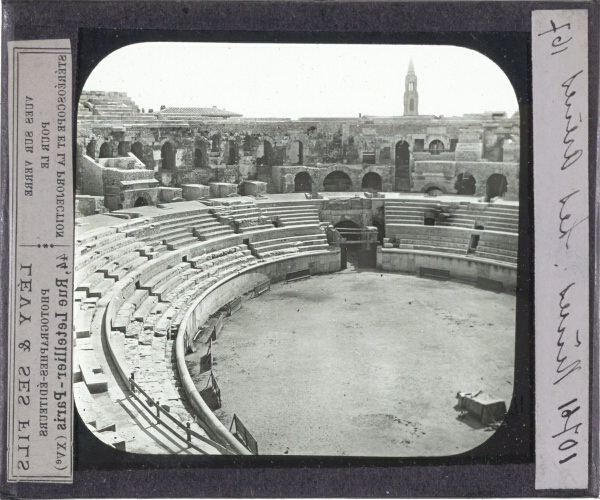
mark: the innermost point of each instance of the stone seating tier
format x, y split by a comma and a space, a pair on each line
491, 218
316, 241
291, 215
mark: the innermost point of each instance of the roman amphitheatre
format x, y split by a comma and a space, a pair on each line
321, 286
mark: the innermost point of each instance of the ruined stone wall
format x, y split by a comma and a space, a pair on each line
237, 150
92, 177
361, 211
112, 176
443, 174
284, 176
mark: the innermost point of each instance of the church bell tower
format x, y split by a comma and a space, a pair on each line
411, 96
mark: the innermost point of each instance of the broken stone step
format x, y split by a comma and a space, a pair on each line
91, 372
123, 317
145, 308
84, 322
101, 288
122, 271
164, 288
157, 279
214, 234
90, 282
137, 297
174, 245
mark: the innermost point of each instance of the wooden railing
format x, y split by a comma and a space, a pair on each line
262, 288
163, 416
297, 275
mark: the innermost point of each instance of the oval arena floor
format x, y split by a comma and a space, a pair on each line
364, 363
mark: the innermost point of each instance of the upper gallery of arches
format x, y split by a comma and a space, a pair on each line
419, 131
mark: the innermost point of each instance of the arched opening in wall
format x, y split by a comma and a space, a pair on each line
436, 147
138, 150
198, 158
247, 146
268, 153
105, 151
466, 184
496, 185
402, 163
264, 154
412, 104
371, 182
141, 202
348, 224
232, 157
402, 154
90, 149
337, 181
302, 183
434, 191
297, 153
215, 143
122, 149
167, 155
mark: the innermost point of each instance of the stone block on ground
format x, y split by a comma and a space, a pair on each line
222, 189
194, 191
255, 188
167, 194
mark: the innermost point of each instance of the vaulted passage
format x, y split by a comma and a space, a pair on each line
337, 181
141, 202
247, 145
371, 182
496, 185
167, 154
302, 183
232, 157
90, 149
297, 153
105, 151
465, 184
138, 150
123, 148
402, 162
436, 147
198, 158
264, 154
348, 224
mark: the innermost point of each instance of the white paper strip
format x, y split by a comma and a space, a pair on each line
560, 170
41, 262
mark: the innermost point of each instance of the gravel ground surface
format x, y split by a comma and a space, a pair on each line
364, 364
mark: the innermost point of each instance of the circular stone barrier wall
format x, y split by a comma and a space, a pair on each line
216, 297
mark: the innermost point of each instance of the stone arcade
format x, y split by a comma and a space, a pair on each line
128, 158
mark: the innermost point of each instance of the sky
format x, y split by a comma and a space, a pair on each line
304, 80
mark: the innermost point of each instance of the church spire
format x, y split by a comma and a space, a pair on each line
411, 96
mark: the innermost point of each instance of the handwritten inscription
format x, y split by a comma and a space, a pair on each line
561, 169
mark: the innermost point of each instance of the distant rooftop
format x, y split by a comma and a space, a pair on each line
199, 112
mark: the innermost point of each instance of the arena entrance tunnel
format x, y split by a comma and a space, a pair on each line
358, 245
